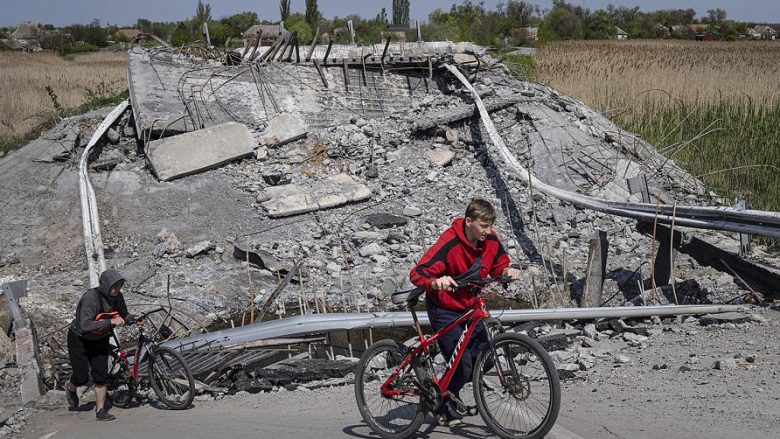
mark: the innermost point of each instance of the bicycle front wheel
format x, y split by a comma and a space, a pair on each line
391, 417
121, 384
524, 403
171, 378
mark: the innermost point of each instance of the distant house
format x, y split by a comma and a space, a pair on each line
26, 37
531, 33
269, 33
397, 32
762, 32
701, 31
126, 34
621, 34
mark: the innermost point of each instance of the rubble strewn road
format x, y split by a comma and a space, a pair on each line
691, 379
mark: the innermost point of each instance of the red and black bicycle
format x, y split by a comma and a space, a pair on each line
516, 386
165, 368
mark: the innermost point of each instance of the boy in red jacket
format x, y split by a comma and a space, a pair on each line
456, 250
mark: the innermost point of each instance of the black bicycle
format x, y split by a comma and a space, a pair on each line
166, 370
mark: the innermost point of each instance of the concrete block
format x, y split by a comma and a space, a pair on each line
440, 156
197, 151
32, 387
284, 128
334, 191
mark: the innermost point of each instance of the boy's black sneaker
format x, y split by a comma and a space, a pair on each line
447, 416
73, 400
103, 415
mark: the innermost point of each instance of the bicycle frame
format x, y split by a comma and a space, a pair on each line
474, 316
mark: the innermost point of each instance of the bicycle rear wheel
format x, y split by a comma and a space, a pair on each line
171, 378
393, 417
525, 405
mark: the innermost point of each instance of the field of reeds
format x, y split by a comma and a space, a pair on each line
713, 107
37, 88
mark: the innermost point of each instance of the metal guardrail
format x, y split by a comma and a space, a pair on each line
324, 323
93, 241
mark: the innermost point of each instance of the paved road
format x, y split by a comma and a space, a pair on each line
319, 414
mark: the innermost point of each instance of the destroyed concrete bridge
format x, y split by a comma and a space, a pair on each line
308, 185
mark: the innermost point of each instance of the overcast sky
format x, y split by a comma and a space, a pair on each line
125, 12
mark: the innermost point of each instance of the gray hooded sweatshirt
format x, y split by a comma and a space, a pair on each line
96, 301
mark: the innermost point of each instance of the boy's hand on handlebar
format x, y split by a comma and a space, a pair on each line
117, 322
514, 273
445, 283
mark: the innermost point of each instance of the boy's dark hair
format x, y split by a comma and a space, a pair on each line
481, 209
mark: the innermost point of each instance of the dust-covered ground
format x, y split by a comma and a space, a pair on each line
685, 380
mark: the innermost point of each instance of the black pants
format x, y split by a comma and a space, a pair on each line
88, 356
440, 318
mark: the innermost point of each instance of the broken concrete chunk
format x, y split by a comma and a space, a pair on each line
412, 211
451, 135
440, 156
168, 243
370, 250
385, 220
284, 128
200, 248
726, 364
334, 191
197, 151
725, 317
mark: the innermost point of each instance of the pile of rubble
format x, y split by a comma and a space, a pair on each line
354, 173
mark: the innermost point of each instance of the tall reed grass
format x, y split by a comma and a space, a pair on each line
713, 107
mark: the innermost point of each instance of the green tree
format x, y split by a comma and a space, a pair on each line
312, 13
218, 33
716, 16
401, 12
181, 35
239, 23
202, 13
297, 23
598, 26
284, 9
382, 16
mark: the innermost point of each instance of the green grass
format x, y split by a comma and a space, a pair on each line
522, 65
732, 144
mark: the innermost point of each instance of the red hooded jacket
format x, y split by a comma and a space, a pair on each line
452, 255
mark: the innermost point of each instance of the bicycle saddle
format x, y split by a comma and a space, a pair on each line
408, 296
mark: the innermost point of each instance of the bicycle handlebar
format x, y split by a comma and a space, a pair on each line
146, 314
504, 280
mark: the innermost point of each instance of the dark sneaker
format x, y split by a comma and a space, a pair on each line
73, 400
103, 415
448, 416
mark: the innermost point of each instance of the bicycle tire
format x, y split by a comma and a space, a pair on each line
374, 367
531, 383
171, 378
121, 384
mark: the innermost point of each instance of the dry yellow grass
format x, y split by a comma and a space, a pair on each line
609, 74
24, 102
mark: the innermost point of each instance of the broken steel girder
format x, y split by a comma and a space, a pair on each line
712, 218
323, 323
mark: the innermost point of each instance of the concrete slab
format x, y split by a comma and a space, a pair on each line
284, 128
334, 191
197, 151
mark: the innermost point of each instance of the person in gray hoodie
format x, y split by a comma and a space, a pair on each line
98, 311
